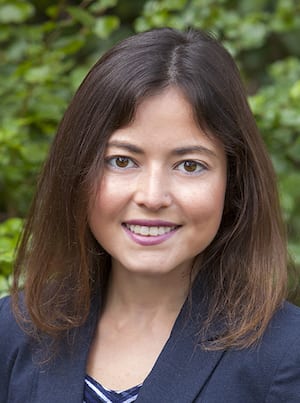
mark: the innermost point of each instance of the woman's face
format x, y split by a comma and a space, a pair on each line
160, 200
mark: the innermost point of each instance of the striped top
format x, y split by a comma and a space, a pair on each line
94, 392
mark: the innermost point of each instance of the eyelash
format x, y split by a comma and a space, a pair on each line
112, 162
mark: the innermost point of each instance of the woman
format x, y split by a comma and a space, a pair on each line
154, 259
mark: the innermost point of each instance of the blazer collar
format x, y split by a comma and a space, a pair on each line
179, 374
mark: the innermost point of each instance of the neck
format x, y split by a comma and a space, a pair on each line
134, 295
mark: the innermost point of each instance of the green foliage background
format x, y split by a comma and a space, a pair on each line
46, 48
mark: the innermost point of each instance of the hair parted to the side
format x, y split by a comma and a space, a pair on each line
59, 262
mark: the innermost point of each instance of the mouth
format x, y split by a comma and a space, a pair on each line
150, 230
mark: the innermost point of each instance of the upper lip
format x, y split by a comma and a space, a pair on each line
151, 223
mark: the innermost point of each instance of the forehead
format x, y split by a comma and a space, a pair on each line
167, 103
165, 119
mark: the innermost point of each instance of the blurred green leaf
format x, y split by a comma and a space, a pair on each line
102, 5
104, 26
15, 11
81, 16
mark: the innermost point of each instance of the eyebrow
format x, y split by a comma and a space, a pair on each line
125, 146
176, 151
191, 149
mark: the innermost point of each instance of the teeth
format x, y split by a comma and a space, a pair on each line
144, 230
153, 231
149, 231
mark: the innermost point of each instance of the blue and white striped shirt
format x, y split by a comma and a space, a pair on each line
94, 392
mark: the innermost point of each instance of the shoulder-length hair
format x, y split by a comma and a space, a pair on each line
60, 264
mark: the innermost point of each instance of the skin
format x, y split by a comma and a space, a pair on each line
161, 166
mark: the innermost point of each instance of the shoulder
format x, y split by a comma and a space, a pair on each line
278, 356
284, 328
14, 350
276, 359
10, 331
31, 371
268, 371
281, 341
13, 340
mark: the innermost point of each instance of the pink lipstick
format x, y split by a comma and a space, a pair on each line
150, 232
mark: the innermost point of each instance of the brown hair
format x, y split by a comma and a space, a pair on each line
60, 263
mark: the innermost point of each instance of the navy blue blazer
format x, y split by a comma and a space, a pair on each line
183, 372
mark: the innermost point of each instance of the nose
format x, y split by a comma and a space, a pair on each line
153, 190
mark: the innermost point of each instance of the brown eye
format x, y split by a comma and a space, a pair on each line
190, 166
122, 162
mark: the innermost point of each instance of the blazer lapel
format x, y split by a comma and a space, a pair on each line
63, 378
183, 367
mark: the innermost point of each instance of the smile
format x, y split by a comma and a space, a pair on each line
150, 233
149, 230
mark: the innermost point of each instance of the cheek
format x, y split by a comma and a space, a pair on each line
205, 207
106, 195
100, 216
110, 199
99, 207
114, 187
